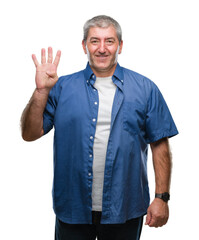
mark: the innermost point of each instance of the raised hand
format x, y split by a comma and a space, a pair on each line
46, 72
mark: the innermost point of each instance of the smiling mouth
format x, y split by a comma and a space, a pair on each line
101, 56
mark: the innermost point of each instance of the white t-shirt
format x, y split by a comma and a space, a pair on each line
106, 92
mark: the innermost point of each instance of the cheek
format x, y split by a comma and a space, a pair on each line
114, 51
91, 49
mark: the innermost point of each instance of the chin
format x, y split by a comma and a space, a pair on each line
105, 65
102, 68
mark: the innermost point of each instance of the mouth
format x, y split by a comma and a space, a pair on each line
101, 56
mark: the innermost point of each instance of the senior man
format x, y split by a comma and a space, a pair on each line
104, 118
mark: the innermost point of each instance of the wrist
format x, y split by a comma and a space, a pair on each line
39, 98
42, 91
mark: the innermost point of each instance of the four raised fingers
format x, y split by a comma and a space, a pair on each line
50, 57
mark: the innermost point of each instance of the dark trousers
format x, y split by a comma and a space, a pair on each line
131, 230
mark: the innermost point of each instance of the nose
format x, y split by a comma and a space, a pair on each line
102, 48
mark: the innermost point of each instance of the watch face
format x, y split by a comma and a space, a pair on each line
165, 196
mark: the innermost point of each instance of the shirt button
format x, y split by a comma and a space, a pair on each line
94, 119
122, 81
90, 155
95, 103
89, 174
94, 89
91, 137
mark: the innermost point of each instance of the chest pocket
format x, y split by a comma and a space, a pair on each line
134, 116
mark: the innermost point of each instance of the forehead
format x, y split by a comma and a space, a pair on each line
97, 32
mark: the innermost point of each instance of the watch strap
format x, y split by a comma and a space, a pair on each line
164, 196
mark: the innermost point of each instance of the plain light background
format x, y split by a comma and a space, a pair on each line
161, 41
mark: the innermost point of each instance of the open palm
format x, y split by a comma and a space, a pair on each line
46, 72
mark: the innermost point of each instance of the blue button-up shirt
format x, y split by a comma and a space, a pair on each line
139, 116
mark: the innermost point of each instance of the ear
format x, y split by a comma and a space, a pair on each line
84, 46
121, 45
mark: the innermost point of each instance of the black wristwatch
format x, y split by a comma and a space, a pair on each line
164, 196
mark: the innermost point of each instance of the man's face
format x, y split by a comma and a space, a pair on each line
102, 47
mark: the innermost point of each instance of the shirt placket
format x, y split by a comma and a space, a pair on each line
94, 103
118, 99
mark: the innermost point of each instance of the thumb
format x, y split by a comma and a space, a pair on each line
51, 74
148, 218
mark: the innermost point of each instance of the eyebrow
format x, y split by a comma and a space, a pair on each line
111, 38
94, 38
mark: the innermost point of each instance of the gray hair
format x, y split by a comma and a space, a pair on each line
102, 21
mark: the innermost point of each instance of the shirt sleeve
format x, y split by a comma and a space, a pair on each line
159, 122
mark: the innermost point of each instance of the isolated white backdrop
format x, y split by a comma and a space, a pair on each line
161, 41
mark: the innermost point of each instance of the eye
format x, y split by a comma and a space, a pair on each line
109, 42
94, 42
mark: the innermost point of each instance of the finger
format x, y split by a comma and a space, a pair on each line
148, 218
155, 222
43, 55
50, 55
152, 223
57, 58
35, 60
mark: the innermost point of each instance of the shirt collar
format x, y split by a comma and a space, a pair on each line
88, 73
118, 76
119, 73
